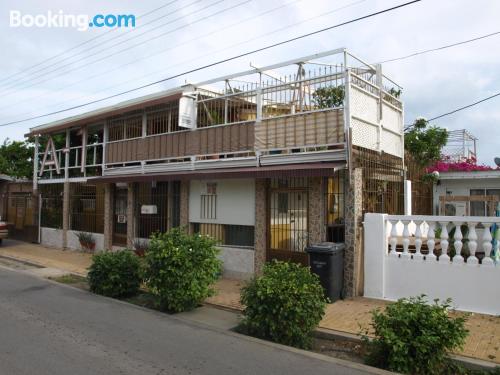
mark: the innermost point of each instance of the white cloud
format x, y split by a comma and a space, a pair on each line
433, 83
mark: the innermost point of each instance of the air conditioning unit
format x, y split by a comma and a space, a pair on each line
455, 209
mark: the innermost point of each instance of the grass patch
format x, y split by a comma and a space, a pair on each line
73, 280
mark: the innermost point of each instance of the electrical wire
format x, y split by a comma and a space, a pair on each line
408, 127
59, 74
172, 47
219, 62
81, 44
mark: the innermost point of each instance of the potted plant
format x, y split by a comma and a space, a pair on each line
87, 241
140, 246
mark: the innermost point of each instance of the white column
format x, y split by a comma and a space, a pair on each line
418, 241
487, 245
35, 163
406, 240
431, 243
458, 258
472, 260
444, 258
375, 239
394, 238
407, 197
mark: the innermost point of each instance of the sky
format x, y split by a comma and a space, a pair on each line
67, 67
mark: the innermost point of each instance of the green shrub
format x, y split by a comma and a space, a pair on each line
413, 337
115, 274
181, 269
284, 305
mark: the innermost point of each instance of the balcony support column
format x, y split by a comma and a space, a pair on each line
260, 240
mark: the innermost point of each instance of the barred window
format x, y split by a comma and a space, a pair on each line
125, 128
164, 119
227, 234
157, 207
87, 208
52, 205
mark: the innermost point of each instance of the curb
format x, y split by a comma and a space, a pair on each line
468, 362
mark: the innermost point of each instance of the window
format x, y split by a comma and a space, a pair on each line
164, 119
87, 208
226, 234
164, 196
208, 201
52, 205
483, 208
125, 128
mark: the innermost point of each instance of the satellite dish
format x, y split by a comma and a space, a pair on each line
497, 161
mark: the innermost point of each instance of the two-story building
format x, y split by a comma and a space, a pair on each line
266, 161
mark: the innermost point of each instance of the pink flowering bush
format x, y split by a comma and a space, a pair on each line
468, 165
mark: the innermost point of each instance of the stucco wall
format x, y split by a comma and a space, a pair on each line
235, 201
238, 262
462, 186
74, 244
52, 237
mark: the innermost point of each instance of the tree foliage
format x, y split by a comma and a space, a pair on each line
425, 142
16, 159
329, 97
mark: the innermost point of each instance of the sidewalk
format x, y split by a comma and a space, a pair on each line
353, 316
350, 315
67, 260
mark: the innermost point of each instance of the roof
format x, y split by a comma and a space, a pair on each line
101, 113
277, 171
494, 173
4, 177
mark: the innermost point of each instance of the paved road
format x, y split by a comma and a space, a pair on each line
52, 329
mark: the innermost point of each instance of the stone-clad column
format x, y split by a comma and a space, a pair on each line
130, 215
184, 204
316, 210
108, 216
260, 225
353, 235
65, 214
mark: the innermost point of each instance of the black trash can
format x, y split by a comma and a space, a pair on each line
326, 260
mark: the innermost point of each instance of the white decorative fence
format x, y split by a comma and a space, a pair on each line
440, 256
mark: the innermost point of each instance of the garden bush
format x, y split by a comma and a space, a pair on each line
180, 269
414, 337
115, 274
284, 305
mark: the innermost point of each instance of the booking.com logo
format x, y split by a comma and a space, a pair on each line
81, 22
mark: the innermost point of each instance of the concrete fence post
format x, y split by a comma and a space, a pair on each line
375, 255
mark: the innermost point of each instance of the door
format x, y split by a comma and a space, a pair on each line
288, 232
120, 217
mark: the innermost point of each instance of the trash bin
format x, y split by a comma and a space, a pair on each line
326, 260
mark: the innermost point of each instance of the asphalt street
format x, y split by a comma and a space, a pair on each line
46, 328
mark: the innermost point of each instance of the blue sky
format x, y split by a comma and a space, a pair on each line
433, 83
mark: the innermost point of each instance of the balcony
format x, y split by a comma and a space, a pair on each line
296, 112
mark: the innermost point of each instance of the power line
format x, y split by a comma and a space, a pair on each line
218, 62
457, 109
441, 48
58, 74
191, 40
12, 84
81, 44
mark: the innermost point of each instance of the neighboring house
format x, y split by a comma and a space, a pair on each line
266, 165
464, 188
17, 208
472, 193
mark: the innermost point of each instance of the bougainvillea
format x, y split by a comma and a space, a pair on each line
468, 165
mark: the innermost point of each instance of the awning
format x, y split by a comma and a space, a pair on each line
273, 171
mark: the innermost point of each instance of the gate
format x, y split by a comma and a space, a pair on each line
288, 220
21, 217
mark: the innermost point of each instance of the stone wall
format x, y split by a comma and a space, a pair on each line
353, 235
317, 210
260, 245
